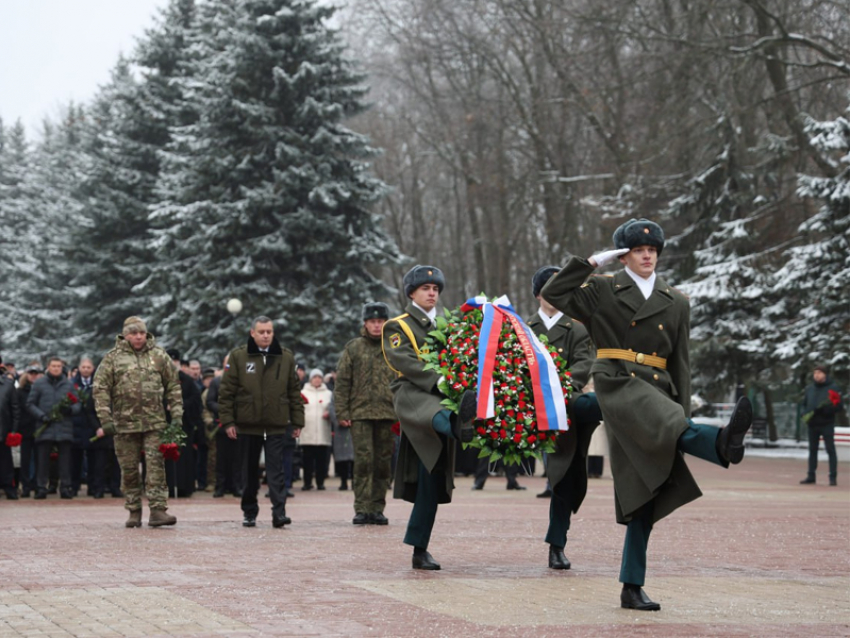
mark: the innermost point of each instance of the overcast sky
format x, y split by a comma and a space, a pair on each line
55, 51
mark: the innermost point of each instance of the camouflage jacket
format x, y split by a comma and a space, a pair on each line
130, 386
362, 390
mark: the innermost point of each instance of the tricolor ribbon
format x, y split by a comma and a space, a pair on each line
549, 403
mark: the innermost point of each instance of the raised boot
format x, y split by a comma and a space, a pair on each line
159, 518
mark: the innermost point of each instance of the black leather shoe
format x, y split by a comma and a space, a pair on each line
361, 519
40, 495
249, 521
25, 493
809, 480
557, 560
635, 598
290, 494
425, 561
67, 494
238, 493
306, 488
379, 519
547, 493
477, 486
217, 493
117, 494
12, 494
280, 522
97, 495
515, 486
833, 482
321, 488
731, 438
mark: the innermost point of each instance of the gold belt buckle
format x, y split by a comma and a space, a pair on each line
640, 358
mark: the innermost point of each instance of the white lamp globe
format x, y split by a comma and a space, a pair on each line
234, 306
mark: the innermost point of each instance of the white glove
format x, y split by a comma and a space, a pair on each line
606, 257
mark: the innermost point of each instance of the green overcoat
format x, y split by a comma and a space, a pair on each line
416, 401
573, 344
645, 409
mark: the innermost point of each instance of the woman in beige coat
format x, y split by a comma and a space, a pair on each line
315, 440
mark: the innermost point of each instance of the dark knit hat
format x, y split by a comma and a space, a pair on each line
375, 310
822, 368
541, 277
421, 275
134, 324
639, 232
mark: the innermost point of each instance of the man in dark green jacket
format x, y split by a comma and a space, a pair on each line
364, 402
426, 456
641, 328
566, 467
260, 403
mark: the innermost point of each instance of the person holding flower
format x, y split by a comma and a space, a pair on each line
821, 402
640, 326
130, 385
52, 402
426, 455
9, 422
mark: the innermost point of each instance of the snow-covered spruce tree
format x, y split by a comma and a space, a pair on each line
46, 210
722, 266
813, 282
126, 127
266, 197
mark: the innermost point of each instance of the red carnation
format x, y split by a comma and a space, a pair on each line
517, 438
834, 397
481, 430
73, 398
13, 439
532, 438
494, 434
503, 434
396, 428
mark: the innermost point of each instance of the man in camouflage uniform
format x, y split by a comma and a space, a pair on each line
128, 392
364, 402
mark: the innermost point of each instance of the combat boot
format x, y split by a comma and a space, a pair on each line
159, 518
135, 519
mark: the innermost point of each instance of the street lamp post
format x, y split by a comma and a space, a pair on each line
234, 307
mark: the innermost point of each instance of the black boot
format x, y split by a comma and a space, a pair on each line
423, 560
730, 441
633, 597
557, 560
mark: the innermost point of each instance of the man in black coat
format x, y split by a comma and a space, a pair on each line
26, 428
228, 472
821, 402
181, 474
9, 417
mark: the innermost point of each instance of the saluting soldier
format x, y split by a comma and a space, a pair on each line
426, 457
566, 467
641, 328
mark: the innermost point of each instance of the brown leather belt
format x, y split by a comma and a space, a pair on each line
634, 357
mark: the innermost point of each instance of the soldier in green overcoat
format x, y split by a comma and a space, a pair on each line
641, 328
566, 467
426, 455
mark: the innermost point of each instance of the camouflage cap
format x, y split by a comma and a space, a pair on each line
134, 324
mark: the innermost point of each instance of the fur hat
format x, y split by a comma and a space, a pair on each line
134, 324
541, 277
421, 275
639, 232
375, 310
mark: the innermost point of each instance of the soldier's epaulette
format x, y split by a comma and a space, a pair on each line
587, 283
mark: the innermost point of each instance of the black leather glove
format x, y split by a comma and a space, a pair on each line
65, 410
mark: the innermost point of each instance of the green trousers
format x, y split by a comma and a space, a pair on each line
373, 457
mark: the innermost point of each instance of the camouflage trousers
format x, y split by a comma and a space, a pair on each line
373, 455
211, 463
128, 449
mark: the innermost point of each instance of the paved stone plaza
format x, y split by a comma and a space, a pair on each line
758, 555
